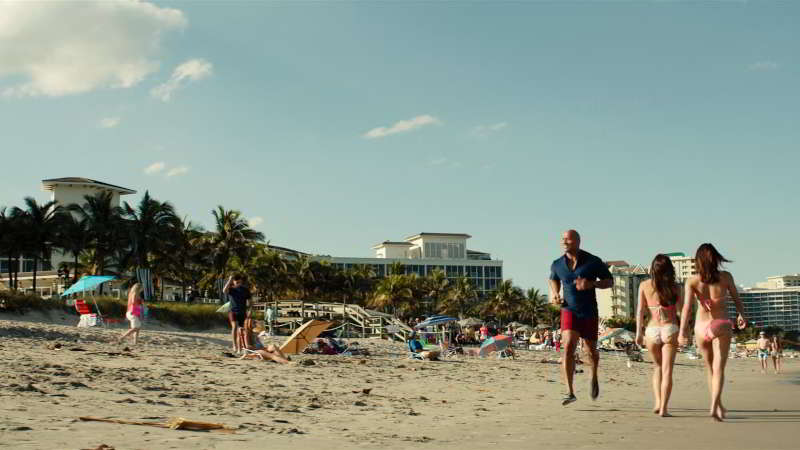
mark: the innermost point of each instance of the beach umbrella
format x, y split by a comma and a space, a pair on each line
494, 344
86, 283
435, 320
523, 329
619, 333
515, 324
470, 322
542, 326
304, 335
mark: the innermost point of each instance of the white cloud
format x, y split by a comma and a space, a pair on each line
485, 130
175, 171
255, 221
70, 47
191, 70
155, 168
402, 126
109, 122
437, 161
764, 66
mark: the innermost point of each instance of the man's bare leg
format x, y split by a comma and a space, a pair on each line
594, 361
569, 341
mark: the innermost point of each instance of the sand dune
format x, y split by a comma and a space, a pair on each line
54, 373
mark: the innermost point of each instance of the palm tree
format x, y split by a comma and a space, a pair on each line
148, 225
461, 294
104, 226
534, 307
10, 242
232, 237
40, 224
437, 286
392, 292
73, 238
505, 301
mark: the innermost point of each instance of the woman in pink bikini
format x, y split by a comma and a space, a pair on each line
661, 295
134, 312
712, 329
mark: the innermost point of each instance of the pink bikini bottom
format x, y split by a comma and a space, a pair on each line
718, 328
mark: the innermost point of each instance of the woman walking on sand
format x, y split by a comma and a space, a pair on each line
712, 329
134, 312
661, 295
777, 352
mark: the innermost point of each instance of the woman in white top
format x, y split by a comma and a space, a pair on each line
661, 296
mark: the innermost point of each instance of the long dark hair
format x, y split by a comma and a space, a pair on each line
707, 261
662, 272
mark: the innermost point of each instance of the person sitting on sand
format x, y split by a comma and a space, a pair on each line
415, 346
270, 352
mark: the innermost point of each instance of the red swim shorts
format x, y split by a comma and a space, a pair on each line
587, 327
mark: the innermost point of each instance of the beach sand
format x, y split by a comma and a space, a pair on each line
53, 373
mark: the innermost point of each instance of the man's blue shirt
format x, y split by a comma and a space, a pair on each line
582, 303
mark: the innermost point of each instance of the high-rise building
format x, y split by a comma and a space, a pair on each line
776, 307
425, 252
780, 282
621, 299
684, 265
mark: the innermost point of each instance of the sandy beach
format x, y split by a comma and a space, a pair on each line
53, 373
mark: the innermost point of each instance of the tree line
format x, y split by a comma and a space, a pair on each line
103, 239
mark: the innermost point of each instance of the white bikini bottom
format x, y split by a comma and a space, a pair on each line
662, 334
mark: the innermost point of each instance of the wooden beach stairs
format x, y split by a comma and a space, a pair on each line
358, 320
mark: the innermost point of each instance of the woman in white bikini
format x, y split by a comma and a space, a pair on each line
661, 296
712, 328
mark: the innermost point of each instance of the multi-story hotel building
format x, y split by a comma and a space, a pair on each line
425, 252
684, 265
775, 307
780, 282
64, 191
620, 300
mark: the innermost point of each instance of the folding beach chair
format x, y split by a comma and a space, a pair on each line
88, 318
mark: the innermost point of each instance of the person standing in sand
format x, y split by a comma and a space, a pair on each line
134, 312
239, 294
776, 352
712, 329
579, 273
661, 295
764, 346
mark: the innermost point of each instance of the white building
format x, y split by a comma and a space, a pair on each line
621, 299
776, 307
425, 252
684, 266
64, 191
780, 282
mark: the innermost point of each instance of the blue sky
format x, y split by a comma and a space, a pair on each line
648, 126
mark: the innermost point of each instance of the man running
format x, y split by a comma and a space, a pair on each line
579, 273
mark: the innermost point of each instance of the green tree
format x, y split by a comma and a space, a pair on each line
458, 298
392, 293
534, 307
505, 301
73, 238
40, 225
11, 242
148, 224
104, 228
232, 237
436, 287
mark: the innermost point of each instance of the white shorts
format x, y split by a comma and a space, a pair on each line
135, 321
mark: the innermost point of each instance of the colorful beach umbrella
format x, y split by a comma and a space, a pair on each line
494, 344
435, 320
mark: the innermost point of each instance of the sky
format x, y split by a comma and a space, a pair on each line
648, 126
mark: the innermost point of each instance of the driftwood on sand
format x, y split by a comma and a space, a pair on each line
176, 423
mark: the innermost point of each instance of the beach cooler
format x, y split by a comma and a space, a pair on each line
88, 318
